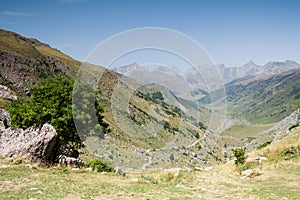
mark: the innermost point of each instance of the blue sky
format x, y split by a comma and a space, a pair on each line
232, 32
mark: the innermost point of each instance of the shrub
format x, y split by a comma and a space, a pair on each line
171, 157
202, 126
168, 176
291, 152
150, 179
264, 144
294, 125
101, 166
240, 155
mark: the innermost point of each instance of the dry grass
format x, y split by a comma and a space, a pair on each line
223, 182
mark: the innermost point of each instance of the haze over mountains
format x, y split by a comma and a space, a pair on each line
252, 69
192, 84
227, 73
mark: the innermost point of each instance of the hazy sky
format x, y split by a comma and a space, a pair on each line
232, 32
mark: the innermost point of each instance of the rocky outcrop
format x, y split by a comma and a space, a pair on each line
4, 119
5, 93
282, 127
35, 144
231, 121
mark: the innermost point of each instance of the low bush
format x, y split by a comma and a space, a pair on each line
240, 155
101, 165
264, 144
150, 179
291, 152
293, 126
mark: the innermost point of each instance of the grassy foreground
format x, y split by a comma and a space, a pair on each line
282, 182
279, 179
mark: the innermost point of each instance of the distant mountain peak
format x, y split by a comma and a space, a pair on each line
291, 62
282, 63
221, 66
250, 64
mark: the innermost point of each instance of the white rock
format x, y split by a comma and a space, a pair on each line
89, 169
75, 169
247, 172
208, 168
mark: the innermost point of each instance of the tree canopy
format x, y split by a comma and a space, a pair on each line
51, 102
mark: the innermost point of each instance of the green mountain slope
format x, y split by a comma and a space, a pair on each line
261, 99
264, 100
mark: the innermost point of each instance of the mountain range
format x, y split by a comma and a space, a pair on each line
191, 83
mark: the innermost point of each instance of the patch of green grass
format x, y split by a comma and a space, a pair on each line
243, 131
277, 187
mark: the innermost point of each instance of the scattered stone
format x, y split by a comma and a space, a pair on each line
247, 173
208, 168
118, 170
28, 166
257, 159
89, 169
26, 179
177, 173
75, 169
198, 169
70, 161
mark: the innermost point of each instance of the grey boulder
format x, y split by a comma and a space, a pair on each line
35, 144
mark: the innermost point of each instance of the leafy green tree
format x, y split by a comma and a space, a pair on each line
87, 111
51, 102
